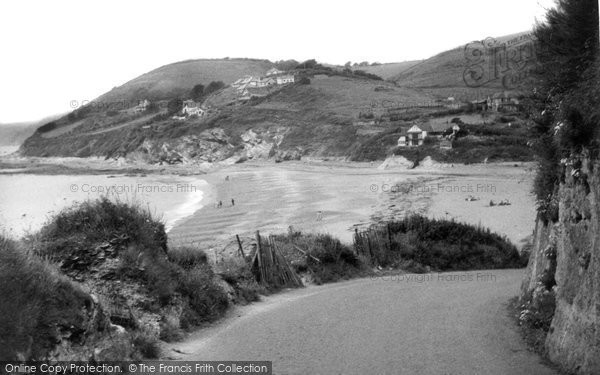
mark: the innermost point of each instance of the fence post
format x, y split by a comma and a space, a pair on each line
240, 246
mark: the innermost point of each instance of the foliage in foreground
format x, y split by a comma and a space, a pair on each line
329, 259
446, 245
102, 241
35, 300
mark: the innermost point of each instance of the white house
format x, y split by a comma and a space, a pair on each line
285, 79
264, 82
243, 81
142, 106
191, 108
274, 72
417, 134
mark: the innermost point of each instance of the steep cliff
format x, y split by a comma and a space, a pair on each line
563, 275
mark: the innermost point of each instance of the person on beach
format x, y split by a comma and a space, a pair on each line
220, 204
319, 215
227, 178
232, 202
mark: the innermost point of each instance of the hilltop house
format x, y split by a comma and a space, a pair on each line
142, 106
191, 108
285, 79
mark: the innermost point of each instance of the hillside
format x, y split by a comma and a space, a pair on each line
388, 70
174, 79
327, 112
446, 72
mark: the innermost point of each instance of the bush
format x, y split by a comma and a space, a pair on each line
335, 260
139, 243
147, 345
36, 302
237, 273
95, 222
187, 257
448, 245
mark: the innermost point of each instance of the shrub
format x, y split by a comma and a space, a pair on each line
448, 245
236, 272
187, 257
147, 345
335, 260
170, 330
36, 302
95, 222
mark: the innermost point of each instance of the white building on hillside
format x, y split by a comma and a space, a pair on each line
142, 106
265, 82
274, 72
285, 79
191, 108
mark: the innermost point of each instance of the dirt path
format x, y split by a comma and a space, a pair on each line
379, 326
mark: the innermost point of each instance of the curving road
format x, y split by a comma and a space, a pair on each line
450, 323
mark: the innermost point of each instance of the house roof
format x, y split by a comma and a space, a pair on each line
274, 71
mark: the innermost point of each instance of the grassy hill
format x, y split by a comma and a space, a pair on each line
388, 70
444, 73
328, 112
175, 79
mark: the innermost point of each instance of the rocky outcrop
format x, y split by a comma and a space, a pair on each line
567, 253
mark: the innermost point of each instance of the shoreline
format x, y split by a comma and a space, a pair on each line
271, 197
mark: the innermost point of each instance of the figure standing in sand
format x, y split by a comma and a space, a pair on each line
232, 202
220, 204
319, 215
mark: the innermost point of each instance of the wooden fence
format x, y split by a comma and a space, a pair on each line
374, 244
270, 268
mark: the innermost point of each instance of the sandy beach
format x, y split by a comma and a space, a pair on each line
331, 196
272, 197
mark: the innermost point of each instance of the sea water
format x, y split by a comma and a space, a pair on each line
28, 201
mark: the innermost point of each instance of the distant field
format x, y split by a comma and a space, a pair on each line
347, 96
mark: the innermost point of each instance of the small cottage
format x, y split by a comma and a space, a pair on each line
191, 108
285, 79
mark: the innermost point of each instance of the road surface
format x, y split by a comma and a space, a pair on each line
450, 323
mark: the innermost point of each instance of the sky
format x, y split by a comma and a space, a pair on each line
56, 52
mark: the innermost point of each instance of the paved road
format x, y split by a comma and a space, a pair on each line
446, 324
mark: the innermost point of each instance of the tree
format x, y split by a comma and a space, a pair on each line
197, 92
564, 106
566, 44
174, 105
308, 64
213, 86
